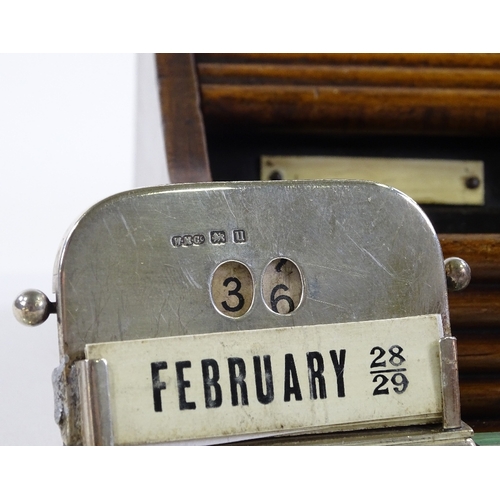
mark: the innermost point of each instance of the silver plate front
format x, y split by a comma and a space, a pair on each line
365, 251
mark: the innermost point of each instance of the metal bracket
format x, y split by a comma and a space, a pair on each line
93, 388
449, 382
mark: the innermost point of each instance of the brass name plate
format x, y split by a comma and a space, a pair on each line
339, 376
448, 182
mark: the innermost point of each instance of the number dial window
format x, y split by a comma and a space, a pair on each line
232, 289
282, 286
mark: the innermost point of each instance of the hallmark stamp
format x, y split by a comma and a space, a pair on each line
239, 236
187, 240
198, 239
218, 237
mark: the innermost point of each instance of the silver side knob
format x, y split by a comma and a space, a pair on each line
458, 273
32, 307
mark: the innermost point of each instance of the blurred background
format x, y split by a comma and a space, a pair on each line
74, 129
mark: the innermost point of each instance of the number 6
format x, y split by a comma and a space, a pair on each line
282, 275
275, 300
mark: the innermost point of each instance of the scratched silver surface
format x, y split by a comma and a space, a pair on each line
365, 252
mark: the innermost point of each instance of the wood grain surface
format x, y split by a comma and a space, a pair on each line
183, 126
356, 93
475, 322
412, 60
480, 251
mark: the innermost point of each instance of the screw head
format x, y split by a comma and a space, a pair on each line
275, 175
472, 182
32, 307
458, 273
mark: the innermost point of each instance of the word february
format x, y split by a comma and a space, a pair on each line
238, 372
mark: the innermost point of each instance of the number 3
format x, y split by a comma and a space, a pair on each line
241, 300
232, 289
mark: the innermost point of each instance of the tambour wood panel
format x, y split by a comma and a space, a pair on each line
479, 351
475, 322
480, 251
356, 93
370, 59
476, 307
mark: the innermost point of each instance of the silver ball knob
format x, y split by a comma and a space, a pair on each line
32, 307
458, 273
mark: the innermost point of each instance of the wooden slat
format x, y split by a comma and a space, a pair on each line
480, 251
362, 109
482, 425
422, 60
480, 397
348, 75
478, 351
475, 307
184, 132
